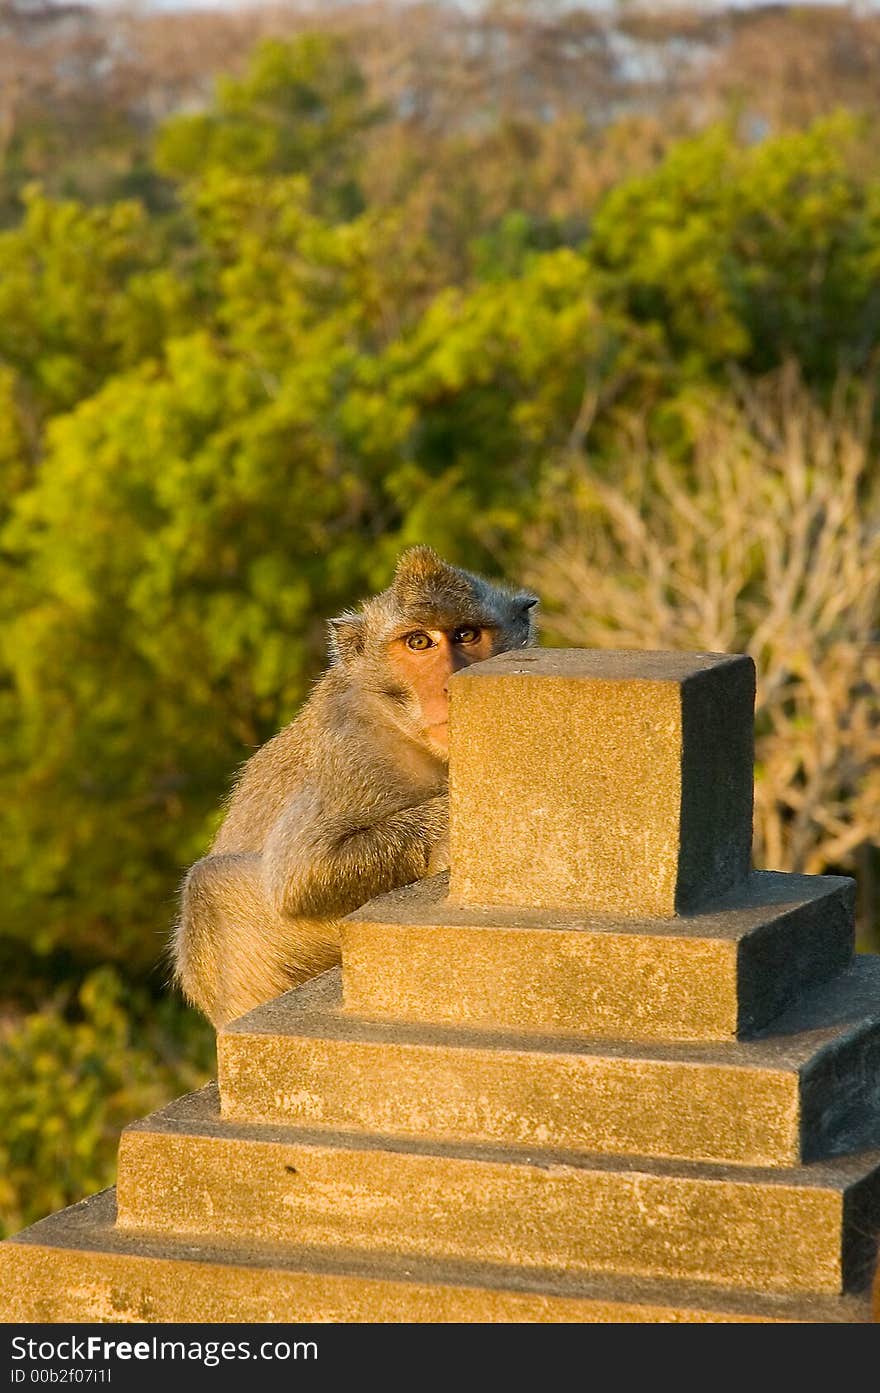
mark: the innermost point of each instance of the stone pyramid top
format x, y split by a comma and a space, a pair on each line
620, 782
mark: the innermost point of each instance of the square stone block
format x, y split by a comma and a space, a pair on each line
78, 1266
808, 1089
723, 973
619, 782
801, 1228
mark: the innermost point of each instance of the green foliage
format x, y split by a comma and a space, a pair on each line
196, 518
757, 253
14, 452
71, 1078
298, 109
84, 293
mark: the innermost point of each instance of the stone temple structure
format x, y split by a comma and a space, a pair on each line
604, 1072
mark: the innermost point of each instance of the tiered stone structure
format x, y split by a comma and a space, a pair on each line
604, 1073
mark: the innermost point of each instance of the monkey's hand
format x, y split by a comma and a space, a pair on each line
439, 858
319, 864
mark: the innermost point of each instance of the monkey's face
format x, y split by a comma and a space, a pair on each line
423, 660
400, 648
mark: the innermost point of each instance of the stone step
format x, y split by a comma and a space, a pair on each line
76, 1266
811, 1089
721, 974
809, 1228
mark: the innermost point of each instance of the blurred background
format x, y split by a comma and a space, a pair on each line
588, 297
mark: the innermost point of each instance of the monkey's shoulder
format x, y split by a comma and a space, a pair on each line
333, 759
260, 790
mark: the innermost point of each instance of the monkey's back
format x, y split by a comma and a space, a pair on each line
265, 784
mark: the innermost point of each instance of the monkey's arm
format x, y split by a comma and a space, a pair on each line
324, 865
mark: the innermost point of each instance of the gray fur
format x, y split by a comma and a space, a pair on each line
347, 802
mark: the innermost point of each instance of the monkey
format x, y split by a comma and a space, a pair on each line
349, 800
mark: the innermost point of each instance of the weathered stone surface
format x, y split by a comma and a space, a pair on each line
619, 782
812, 1088
719, 974
75, 1266
799, 1229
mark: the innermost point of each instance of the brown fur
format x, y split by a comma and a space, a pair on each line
348, 801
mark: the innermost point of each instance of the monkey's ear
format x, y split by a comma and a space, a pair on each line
346, 636
525, 601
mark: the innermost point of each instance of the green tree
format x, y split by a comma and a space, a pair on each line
299, 109
755, 254
196, 519
72, 1075
84, 293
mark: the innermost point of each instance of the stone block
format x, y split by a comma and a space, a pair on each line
76, 1266
721, 974
807, 1229
618, 782
810, 1089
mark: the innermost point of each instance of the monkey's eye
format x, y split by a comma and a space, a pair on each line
419, 642
467, 635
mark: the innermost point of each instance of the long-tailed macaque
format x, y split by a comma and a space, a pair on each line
350, 799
